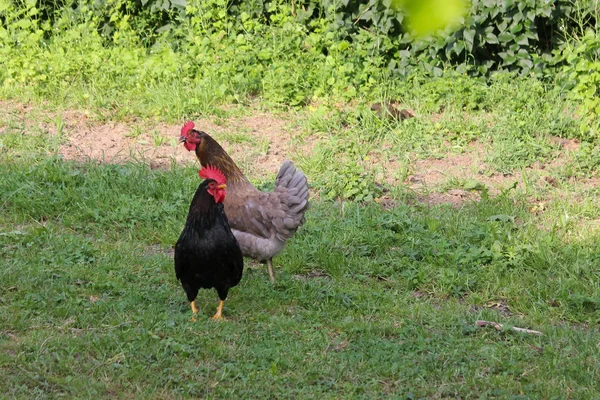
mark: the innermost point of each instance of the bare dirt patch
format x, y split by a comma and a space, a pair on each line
434, 171
458, 178
455, 197
265, 148
259, 142
566, 144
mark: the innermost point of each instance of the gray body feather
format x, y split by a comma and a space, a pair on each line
262, 222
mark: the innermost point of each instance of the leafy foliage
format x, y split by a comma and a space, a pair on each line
501, 35
496, 34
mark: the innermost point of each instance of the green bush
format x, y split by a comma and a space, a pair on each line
579, 73
495, 35
289, 53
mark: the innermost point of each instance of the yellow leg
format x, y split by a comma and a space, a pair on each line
219, 314
194, 310
270, 268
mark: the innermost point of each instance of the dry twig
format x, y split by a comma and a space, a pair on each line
362, 13
500, 327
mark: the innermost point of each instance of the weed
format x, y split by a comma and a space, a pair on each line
135, 132
237, 137
157, 139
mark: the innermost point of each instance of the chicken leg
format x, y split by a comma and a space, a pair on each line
219, 314
270, 268
194, 310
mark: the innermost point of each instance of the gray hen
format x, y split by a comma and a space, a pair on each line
262, 222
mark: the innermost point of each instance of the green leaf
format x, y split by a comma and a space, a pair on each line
458, 48
522, 40
505, 37
469, 36
491, 38
503, 25
526, 63
473, 184
23, 23
531, 15
501, 218
264, 54
367, 16
508, 57
516, 28
164, 28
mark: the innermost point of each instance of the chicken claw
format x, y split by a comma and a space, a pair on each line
219, 315
194, 310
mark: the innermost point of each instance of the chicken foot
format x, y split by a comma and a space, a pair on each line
219, 314
270, 268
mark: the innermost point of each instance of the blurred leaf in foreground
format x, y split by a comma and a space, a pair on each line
427, 16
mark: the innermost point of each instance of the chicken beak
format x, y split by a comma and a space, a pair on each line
182, 139
222, 186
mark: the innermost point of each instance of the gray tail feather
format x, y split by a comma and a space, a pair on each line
296, 184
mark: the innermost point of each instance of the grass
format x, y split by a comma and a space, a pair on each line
369, 302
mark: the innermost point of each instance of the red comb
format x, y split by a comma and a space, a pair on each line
187, 127
211, 172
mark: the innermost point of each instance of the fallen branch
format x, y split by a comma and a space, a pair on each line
501, 327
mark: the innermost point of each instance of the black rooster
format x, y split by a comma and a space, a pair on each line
207, 255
